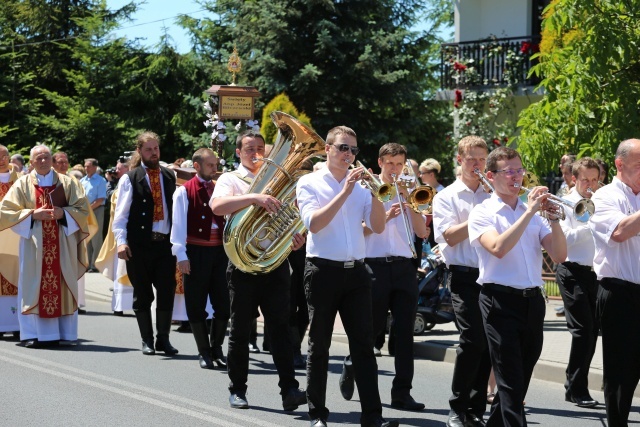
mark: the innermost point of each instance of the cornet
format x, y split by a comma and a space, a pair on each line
484, 180
582, 210
381, 191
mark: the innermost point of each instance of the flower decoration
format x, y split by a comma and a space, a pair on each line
459, 66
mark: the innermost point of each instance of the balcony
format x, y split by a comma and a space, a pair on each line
483, 64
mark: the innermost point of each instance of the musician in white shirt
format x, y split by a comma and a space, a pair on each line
616, 231
579, 286
509, 236
394, 280
333, 206
451, 208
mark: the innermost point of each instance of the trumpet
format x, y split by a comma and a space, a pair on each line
419, 199
381, 191
582, 210
484, 180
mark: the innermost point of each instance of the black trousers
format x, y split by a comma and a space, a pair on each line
473, 364
299, 312
579, 288
331, 290
618, 307
394, 286
207, 280
513, 324
152, 265
271, 293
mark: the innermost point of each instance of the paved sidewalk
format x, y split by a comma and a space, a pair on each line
440, 343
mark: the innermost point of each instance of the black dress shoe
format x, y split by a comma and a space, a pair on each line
318, 422
238, 401
205, 362
185, 327
253, 347
474, 421
583, 402
346, 379
118, 313
82, 311
163, 344
294, 398
456, 420
32, 343
407, 403
217, 356
147, 348
379, 422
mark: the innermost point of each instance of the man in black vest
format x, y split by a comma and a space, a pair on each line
141, 226
196, 239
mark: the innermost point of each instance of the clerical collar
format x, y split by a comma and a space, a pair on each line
43, 176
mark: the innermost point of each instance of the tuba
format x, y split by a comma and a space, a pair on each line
254, 240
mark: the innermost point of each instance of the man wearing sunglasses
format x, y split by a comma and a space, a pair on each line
509, 236
333, 207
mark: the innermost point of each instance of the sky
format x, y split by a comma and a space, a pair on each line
155, 17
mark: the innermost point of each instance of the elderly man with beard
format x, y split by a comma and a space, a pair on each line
141, 225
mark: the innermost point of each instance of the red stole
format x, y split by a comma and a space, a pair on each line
6, 287
50, 298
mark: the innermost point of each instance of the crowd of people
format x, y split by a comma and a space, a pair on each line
162, 245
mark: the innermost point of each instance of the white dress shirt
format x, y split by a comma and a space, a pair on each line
230, 184
580, 245
451, 207
121, 215
24, 229
614, 202
393, 240
4, 177
521, 267
178, 236
343, 238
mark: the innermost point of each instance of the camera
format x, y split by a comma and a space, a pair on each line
125, 157
112, 171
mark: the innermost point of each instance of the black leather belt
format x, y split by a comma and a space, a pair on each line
337, 264
464, 269
527, 292
158, 237
385, 259
571, 264
619, 282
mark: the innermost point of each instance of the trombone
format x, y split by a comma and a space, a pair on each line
405, 219
381, 191
582, 210
420, 198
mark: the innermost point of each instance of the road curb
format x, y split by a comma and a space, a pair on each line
544, 370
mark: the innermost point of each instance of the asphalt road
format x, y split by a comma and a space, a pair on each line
106, 380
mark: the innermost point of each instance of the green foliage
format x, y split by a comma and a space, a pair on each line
591, 82
279, 103
341, 63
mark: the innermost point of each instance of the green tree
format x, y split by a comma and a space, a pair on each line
279, 103
352, 63
591, 81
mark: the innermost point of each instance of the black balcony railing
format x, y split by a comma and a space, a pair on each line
487, 63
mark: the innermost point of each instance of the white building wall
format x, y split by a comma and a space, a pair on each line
478, 19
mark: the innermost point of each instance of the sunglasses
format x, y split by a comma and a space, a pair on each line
511, 172
346, 147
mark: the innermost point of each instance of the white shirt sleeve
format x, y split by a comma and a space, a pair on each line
479, 223
179, 224
307, 201
605, 219
224, 186
123, 205
443, 217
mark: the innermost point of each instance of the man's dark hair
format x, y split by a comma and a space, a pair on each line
500, 153
392, 149
248, 134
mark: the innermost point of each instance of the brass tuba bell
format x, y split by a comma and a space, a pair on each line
254, 240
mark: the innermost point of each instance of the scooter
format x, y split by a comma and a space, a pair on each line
434, 300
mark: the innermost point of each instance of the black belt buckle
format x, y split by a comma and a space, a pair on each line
529, 292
